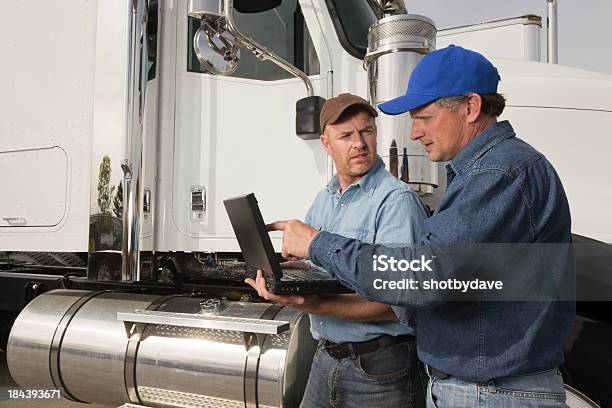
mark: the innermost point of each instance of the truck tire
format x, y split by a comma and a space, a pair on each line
44, 258
22, 257
68, 259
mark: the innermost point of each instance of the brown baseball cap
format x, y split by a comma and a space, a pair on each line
333, 108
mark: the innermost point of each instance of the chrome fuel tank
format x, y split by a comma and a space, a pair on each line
173, 351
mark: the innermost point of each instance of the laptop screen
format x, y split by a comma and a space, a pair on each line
250, 230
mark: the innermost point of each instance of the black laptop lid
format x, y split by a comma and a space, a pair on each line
250, 230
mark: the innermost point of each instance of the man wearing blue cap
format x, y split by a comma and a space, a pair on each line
499, 190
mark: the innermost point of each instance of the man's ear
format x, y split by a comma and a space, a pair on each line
325, 142
474, 106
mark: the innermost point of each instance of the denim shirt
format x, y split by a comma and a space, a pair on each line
377, 209
499, 190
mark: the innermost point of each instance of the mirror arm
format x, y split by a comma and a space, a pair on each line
261, 52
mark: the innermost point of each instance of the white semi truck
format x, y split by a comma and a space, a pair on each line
126, 123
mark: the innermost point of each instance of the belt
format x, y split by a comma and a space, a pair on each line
432, 372
344, 350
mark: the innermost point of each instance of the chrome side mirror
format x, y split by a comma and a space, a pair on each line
216, 48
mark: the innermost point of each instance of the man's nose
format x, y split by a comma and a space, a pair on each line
417, 130
359, 141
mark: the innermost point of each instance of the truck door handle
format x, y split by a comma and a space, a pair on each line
146, 202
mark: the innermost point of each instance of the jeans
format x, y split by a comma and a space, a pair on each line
388, 377
542, 390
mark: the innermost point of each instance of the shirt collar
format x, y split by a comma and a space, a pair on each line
367, 183
482, 143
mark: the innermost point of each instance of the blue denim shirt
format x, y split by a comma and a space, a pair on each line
377, 209
500, 190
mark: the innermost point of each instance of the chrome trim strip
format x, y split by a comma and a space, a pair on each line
247, 325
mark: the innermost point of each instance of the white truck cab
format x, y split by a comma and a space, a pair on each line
126, 124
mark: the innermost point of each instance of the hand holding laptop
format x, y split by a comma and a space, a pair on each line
307, 304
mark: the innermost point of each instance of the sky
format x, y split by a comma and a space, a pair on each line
585, 28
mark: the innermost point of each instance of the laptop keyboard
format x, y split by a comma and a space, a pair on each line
304, 275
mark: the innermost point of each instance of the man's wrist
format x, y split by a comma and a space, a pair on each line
312, 245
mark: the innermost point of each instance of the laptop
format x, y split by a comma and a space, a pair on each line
258, 252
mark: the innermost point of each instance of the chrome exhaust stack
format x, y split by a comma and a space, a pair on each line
386, 8
552, 35
121, 217
140, 106
395, 45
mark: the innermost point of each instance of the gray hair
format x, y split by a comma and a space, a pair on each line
492, 104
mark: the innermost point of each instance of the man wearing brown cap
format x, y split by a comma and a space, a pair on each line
365, 356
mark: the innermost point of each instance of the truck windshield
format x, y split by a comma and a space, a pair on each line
352, 18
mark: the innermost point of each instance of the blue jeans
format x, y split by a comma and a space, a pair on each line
388, 377
541, 390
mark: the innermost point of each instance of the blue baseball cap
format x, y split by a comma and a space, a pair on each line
451, 71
